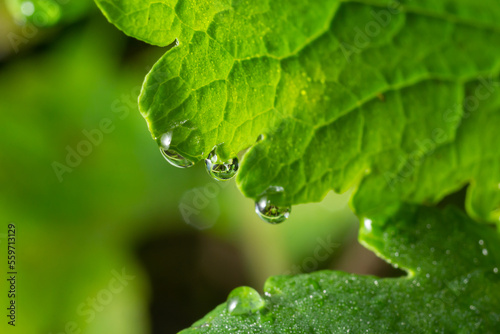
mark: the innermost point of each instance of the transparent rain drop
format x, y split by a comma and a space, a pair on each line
174, 158
268, 210
244, 300
221, 170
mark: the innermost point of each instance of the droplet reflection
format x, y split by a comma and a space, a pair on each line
267, 208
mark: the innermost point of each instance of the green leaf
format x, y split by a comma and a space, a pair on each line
402, 99
452, 284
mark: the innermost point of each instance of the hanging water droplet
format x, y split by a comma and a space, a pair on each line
221, 170
270, 212
244, 300
174, 158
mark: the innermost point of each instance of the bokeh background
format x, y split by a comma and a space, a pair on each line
112, 239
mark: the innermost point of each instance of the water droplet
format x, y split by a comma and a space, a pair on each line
174, 158
368, 224
270, 212
485, 252
495, 270
481, 242
260, 138
244, 300
221, 170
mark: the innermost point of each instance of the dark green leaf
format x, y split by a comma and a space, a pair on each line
448, 289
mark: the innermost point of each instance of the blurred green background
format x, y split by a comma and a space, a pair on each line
115, 240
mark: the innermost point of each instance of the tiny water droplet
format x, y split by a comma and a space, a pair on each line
485, 252
266, 208
260, 138
221, 170
368, 224
174, 158
244, 300
495, 270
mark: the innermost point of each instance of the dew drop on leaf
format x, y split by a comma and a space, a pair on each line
244, 300
367, 224
174, 158
268, 210
221, 170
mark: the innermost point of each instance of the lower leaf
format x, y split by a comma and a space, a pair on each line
452, 284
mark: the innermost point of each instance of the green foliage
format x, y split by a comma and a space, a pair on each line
321, 80
448, 289
400, 100
68, 230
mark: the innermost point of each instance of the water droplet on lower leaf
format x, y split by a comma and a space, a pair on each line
267, 208
244, 300
221, 170
174, 158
